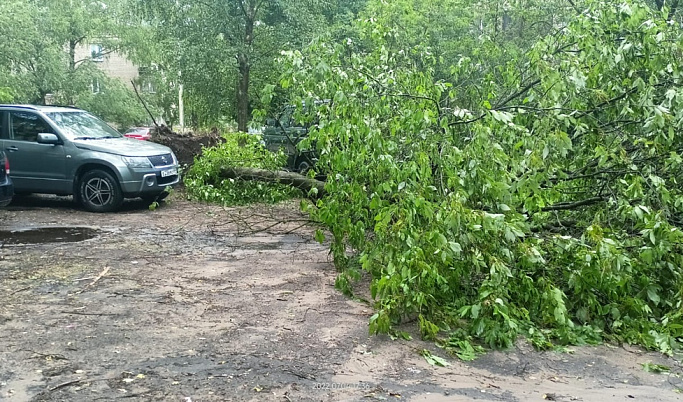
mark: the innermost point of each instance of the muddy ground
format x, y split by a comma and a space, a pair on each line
198, 303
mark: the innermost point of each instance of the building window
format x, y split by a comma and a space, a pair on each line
95, 86
96, 53
146, 85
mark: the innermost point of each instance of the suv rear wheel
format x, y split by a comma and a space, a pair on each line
99, 191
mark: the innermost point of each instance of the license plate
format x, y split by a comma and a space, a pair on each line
169, 172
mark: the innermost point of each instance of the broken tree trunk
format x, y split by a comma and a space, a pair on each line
306, 184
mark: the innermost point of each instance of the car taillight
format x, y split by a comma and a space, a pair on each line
7, 166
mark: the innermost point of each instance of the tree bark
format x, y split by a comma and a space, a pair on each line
243, 93
306, 184
249, 10
72, 55
72, 67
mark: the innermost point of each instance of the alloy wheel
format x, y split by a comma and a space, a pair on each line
98, 191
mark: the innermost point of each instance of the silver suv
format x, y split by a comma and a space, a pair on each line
68, 151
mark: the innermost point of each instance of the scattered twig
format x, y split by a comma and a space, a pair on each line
103, 273
96, 314
302, 376
65, 384
48, 356
20, 290
77, 381
306, 312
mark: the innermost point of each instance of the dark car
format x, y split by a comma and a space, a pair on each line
6, 188
283, 133
68, 151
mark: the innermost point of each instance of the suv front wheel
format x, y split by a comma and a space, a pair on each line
99, 191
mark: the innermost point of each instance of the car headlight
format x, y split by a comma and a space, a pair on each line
137, 161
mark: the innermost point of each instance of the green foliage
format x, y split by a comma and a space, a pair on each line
434, 360
204, 181
115, 103
41, 54
462, 347
5, 95
207, 46
549, 207
655, 368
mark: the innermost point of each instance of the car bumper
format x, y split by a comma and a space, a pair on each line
6, 193
149, 182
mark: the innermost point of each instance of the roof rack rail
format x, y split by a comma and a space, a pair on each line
64, 106
37, 107
20, 106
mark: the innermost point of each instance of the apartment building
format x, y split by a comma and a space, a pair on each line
114, 65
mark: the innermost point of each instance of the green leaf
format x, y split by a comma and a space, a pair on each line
319, 236
434, 360
475, 311
655, 368
652, 294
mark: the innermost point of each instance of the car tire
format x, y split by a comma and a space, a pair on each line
99, 191
303, 167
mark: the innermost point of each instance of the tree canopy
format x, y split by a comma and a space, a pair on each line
38, 55
543, 199
224, 52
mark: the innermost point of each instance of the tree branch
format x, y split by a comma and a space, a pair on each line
374, 79
144, 104
519, 93
573, 205
574, 6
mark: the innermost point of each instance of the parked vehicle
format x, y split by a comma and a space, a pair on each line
68, 151
6, 188
284, 133
139, 133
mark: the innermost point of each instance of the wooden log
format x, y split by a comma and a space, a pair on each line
304, 183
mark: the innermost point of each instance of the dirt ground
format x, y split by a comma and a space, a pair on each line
199, 303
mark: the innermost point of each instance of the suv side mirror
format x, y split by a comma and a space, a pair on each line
47, 138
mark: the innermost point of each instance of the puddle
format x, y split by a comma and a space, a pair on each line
47, 235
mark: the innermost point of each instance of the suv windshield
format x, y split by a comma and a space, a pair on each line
82, 126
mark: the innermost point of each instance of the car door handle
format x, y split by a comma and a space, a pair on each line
12, 149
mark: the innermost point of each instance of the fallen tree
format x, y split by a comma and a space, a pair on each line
312, 187
549, 207
240, 170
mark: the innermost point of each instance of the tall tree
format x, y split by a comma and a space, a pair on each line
38, 54
220, 48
